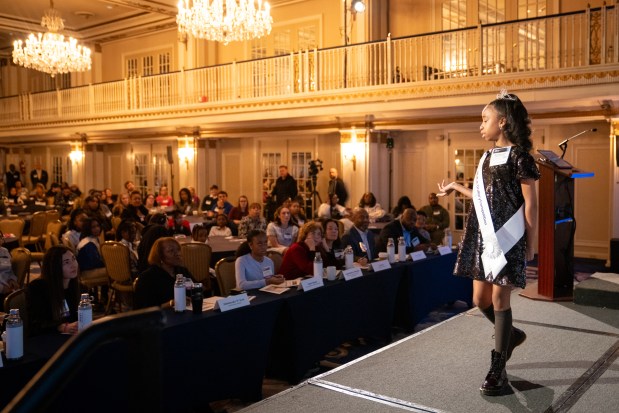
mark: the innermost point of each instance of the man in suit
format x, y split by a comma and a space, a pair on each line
337, 187
403, 227
360, 239
38, 175
12, 175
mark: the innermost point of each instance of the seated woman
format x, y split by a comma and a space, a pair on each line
299, 259
403, 203
281, 232
199, 233
297, 213
333, 249
121, 204
375, 211
53, 298
237, 213
149, 202
76, 222
38, 196
135, 211
186, 204
164, 199
155, 286
254, 269
8, 280
125, 234
178, 225
220, 229
89, 257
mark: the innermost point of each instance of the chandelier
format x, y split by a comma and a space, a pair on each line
50, 52
224, 20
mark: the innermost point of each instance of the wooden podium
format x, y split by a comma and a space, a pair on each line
556, 229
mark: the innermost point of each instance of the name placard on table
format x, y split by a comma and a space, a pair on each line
418, 255
311, 283
444, 250
232, 302
380, 265
352, 273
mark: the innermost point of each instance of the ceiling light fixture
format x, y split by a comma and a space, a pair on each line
50, 52
224, 20
358, 6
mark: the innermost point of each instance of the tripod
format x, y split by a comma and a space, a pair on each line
314, 195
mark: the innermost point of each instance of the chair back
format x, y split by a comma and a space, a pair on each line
52, 215
116, 222
226, 279
117, 261
38, 224
13, 226
277, 259
197, 259
17, 299
55, 227
20, 262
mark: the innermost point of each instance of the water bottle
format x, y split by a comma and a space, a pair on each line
447, 240
317, 265
179, 294
349, 257
401, 250
84, 312
14, 336
390, 251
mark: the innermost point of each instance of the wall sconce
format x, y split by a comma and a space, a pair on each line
353, 149
77, 149
186, 152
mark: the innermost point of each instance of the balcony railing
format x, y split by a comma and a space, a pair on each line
574, 40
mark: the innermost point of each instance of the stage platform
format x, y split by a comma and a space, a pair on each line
568, 363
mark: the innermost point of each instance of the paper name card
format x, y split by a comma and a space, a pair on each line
352, 273
311, 283
444, 250
381, 265
232, 302
418, 255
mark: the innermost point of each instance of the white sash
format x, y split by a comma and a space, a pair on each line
495, 244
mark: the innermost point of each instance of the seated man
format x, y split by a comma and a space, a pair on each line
403, 227
422, 218
253, 221
360, 239
222, 206
331, 209
438, 219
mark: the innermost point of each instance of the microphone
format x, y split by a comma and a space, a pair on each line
578, 134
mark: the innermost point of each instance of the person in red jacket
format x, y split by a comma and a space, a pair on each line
299, 258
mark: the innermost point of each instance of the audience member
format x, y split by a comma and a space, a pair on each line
281, 232
155, 286
421, 224
54, 189
125, 234
53, 298
121, 204
221, 228
331, 209
22, 192
13, 197
164, 199
253, 221
156, 228
129, 187
135, 210
337, 187
285, 187
403, 227
194, 198
199, 233
240, 211
360, 239
185, 204
12, 175
210, 199
222, 206
38, 176
89, 255
150, 202
333, 250
437, 219
178, 225
403, 203
38, 196
254, 269
74, 232
108, 198
65, 200
297, 213
299, 259
373, 208
93, 209
8, 280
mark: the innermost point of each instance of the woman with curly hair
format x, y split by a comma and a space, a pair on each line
500, 231
375, 211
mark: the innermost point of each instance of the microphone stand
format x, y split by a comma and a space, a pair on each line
563, 145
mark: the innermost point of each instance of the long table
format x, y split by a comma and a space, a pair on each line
217, 355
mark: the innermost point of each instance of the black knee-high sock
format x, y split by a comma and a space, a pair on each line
488, 312
502, 329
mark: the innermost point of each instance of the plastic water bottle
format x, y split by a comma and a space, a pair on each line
448, 240
349, 257
317, 265
179, 294
401, 250
390, 251
14, 336
84, 312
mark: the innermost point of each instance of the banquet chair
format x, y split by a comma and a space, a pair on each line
20, 263
226, 279
54, 226
18, 299
197, 259
277, 259
118, 265
51, 239
37, 229
13, 226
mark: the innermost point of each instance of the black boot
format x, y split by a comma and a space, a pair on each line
496, 379
517, 338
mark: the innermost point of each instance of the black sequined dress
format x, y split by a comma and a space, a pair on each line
504, 193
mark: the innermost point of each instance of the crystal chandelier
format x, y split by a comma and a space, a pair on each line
50, 52
224, 20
